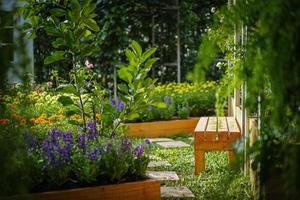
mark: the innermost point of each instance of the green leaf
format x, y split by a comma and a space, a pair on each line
148, 53
52, 31
67, 88
132, 116
123, 88
65, 100
58, 42
137, 48
26, 25
159, 104
89, 9
150, 62
125, 75
58, 12
131, 56
91, 24
56, 56
35, 20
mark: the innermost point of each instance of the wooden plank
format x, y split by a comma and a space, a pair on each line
162, 128
201, 126
234, 129
214, 146
232, 125
223, 133
211, 129
149, 189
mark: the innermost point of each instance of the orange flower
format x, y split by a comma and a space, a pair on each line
98, 116
32, 120
23, 122
16, 116
4, 121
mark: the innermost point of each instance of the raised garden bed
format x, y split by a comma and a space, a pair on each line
147, 189
162, 128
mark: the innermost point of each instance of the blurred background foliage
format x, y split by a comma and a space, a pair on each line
121, 21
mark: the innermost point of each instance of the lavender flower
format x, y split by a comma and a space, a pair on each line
147, 141
118, 104
92, 128
109, 147
139, 150
94, 154
125, 145
82, 141
57, 147
167, 100
151, 108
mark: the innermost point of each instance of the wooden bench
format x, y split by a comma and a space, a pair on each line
214, 134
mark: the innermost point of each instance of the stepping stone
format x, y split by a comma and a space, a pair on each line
159, 164
161, 140
180, 191
173, 144
152, 157
163, 175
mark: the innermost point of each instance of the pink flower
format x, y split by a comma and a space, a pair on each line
49, 84
89, 65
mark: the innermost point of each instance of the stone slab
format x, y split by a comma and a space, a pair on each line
159, 164
161, 140
163, 175
173, 144
178, 192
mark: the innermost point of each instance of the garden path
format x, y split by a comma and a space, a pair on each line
164, 176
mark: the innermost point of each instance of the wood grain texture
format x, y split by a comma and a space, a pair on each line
148, 190
162, 128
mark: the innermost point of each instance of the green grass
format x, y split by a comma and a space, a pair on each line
219, 181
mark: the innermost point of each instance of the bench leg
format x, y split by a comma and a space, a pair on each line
199, 161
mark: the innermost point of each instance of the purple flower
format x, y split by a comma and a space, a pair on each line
82, 141
151, 107
109, 147
94, 154
125, 145
57, 147
167, 100
147, 141
118, 104
139, 150
92, 128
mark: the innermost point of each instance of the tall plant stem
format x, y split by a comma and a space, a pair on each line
79, 92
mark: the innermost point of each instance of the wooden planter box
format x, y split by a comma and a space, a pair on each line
148, 190
162, 128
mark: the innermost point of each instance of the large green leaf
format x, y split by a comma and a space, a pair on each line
91, 24
137, 48
56, 56
148, 53
131, 57
125, 75
150, 62
65, 100
67, 88
58, 12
